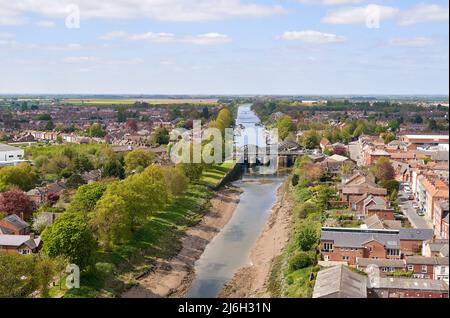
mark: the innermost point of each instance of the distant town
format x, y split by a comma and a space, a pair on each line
358, 205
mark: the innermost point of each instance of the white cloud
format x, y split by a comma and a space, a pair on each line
313, 37
360, 15
414, 42
424, 13
330, 2
163, 10
45, 24
207, 39
211, 38
113, 35
153, 37
79, 59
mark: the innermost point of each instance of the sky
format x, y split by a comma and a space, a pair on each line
291, 47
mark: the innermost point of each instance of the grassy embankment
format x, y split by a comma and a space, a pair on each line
158, 238
293, 272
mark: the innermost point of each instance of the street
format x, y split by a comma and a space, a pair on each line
416, 220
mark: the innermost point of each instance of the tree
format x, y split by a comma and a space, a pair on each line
383, 170
86, 198
160, 136
205, 112
21, 176
82, 163
138, 159
52, 198
285, 126
311, 139
113, 168
122, 115
143, 193
432, 125
74, 181
307, 236
192, 170
96, 130
110, 221
49, 126
175, 180
70, 237
388, 137
132, 125
18, 275
16, 202
391, 186
394, 125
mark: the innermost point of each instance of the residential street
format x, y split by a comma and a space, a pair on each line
408, 210
354, 152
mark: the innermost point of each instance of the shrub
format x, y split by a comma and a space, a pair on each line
295, 179
307, 236
300, 260
306, 208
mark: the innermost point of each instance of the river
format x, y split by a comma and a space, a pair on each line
230, 249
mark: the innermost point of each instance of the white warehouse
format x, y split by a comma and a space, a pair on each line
10, 155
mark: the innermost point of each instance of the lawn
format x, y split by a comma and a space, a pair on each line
158, 238
212, 176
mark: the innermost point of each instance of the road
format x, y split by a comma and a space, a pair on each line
416, 220
355, 152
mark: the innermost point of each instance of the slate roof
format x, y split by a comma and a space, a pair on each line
355, 238
16, 221
423, 260
416, 234
364, 262
410, 284
340, 282
19, 240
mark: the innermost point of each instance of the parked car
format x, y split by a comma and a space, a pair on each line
398, 216
420, 212
415, 206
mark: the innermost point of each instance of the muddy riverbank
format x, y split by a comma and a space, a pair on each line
173, 277
250, 281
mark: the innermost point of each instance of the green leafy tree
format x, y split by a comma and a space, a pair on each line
21, 176
110, 221
175, 180
285, 126
96, 130
160, 136
70, 237
307, 236
138, 159
18, 275
311, 139
86, 198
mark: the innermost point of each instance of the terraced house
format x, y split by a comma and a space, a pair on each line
348, 244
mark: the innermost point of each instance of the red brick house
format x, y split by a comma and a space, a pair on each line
12, 224
20, 244
346, 244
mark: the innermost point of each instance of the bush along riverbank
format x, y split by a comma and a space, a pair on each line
293, 272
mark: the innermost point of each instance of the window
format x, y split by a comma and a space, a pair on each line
328, 247
410, 268
442, 270
24, 252
345, 258
393, 252
384, 269
424, 268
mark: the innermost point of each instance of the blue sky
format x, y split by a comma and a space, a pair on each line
224, 46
